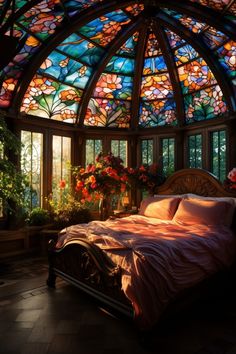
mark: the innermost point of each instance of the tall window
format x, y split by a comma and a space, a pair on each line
120, 148
218, 154
92, 149
195, 151
147, 151
32, 166
61, 162
168, 155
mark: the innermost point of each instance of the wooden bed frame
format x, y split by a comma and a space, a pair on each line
84, 265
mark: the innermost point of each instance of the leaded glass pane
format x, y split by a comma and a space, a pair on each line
61, 163
120, 65
157, 113
156, 86
114, 86
32, 166
218, 154
195, 151
120, 148
174, 39
154, 65
184, 54
147, 151
213, 37
168, 156
92, 148
74, 7
227, 58
129, 47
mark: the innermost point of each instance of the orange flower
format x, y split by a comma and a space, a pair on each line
62, 184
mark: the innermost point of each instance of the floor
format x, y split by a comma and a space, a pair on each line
38, 320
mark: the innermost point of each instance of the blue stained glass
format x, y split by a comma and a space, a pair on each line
213, 38
184, 54
154, 65
66, 70
81, 49
96, 28
114, 86
157, 113
73, 7
121, 65
174, 39
129, 47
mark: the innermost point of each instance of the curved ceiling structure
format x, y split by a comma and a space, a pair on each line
120, 64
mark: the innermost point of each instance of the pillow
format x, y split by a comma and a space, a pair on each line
230, 200
199, 211
159, 207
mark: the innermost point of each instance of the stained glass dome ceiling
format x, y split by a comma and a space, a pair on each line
120, 64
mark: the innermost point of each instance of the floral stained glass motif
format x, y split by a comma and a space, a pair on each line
187, 21
129, 47
113, 86
184, 54
66, 70
49, 99
43, 18
135, 9
152, 47
6, 92
108, 113
216, 4
156, 86
81, 49
227, 58
104, 29
204, 104
195, 75
157, 113
120, 65
213, 38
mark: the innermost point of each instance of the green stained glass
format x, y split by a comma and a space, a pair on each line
66, 70
204, 104
154, 65
81, 49
184, 54
49, 99
129, 47
227, 58
114, 86
108, 113
213, 38
104, 29
174, 39
157, 113
156, 86
121, 65
195, 75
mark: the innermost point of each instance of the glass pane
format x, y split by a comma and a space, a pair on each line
92, 149
147, 151
120, 148
195, 151
61, 166
31, 164
218, 154
168, 155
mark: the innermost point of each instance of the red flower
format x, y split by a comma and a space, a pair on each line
62, 184
232, 175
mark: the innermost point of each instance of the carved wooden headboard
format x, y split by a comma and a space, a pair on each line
194, 180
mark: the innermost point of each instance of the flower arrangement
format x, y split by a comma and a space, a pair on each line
146, 177
230, 182
107, 176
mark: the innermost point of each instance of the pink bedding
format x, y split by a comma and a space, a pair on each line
158, 258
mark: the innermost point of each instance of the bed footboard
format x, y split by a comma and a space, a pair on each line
84, 265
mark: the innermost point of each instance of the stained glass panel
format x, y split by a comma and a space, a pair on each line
49, 99
129, 47
6, 92
187, 21
154, 65
195, 75
73, 7
81, 49
121, 65
66, 70
114, 86
213, 38
204, 104
135, 9
184, 54
227, 58
214, 4
195, 151
108, 113
153, 47
157, 113
156, 86
104, 29
174, 39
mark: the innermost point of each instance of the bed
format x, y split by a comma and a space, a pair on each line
140, 264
